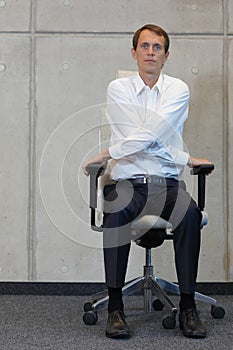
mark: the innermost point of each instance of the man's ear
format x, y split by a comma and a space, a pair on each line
167, 54
133, 53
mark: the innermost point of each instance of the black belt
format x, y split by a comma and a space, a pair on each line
150, 179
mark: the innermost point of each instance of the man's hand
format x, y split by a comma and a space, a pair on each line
100, 158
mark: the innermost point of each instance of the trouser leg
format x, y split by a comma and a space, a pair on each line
187, 248
185, 218
121, 207
181, 210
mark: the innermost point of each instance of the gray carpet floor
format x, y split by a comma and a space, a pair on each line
55, 322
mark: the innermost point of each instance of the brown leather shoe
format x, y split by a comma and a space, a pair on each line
191, 324
116, 325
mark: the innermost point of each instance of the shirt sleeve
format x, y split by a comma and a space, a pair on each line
159, 132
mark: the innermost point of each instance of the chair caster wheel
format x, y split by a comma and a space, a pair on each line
157, 305
169, 322
90, 318
217, 312
87, 307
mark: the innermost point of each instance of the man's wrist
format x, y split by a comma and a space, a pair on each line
105, 155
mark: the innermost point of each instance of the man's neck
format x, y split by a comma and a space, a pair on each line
149, 79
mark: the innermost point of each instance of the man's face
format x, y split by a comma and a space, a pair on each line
150, 53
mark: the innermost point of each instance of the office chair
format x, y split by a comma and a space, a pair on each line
157, 230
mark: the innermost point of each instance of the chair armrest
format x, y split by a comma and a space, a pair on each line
202, 170
95, 170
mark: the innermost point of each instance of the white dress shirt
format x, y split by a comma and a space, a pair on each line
146, 126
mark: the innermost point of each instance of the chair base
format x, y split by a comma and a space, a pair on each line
152, 286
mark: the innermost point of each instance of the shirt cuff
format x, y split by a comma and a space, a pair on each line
182, 158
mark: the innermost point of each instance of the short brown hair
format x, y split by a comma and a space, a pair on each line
154, 28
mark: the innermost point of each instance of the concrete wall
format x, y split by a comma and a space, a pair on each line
56, 59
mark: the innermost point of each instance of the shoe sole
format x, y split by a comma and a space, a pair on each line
118, 335
193, 335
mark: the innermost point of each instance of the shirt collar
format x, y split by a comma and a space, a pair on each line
140, 85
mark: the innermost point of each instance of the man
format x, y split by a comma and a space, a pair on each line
146, 114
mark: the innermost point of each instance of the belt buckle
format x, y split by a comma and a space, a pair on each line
144, 179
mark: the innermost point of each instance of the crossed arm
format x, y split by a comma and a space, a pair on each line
104, 156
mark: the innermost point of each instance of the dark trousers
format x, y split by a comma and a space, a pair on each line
124, 202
